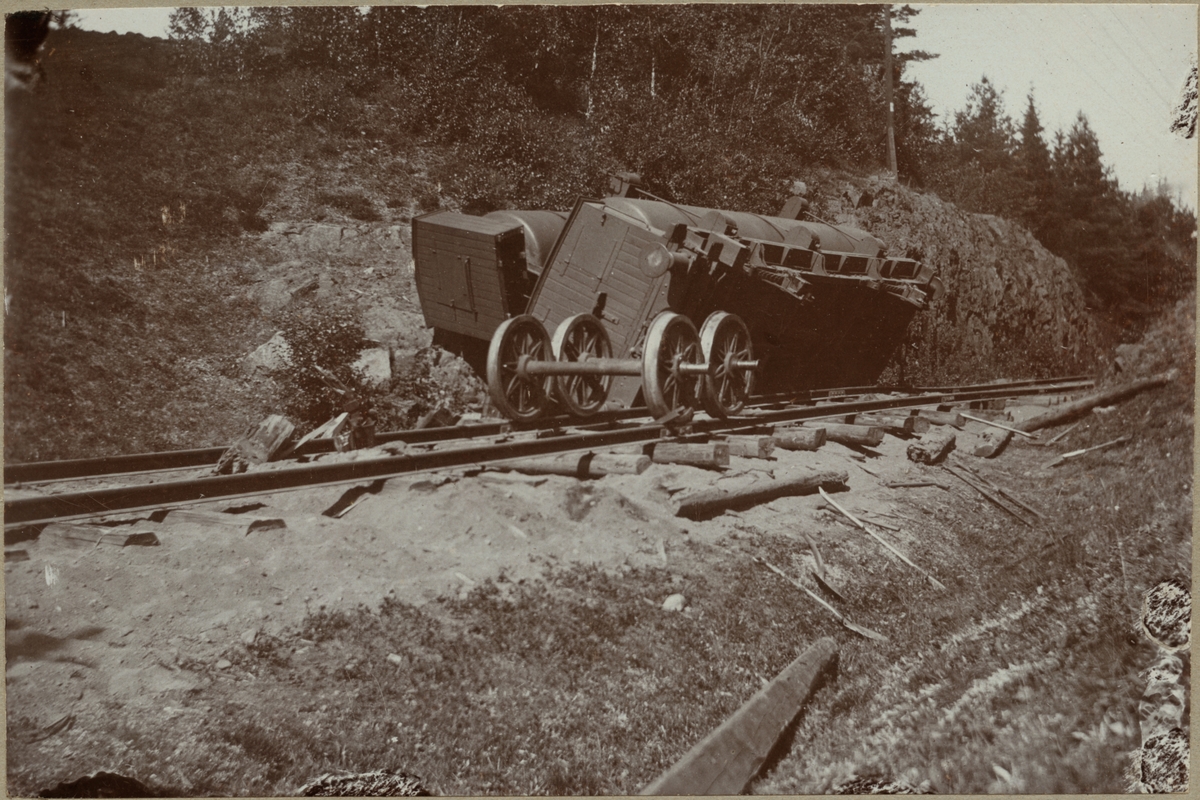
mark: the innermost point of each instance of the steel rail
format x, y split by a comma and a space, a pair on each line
34, 510
174, 460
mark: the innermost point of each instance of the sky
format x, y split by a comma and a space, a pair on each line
1122, 65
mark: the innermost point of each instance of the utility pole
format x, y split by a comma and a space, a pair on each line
887, 68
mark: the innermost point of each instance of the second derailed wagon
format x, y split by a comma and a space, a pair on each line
634, 300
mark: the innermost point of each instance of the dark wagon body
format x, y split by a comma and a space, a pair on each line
823, 305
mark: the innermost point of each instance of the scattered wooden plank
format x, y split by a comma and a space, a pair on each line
15, 555
1001, 490
75, 535
714, 501
235, 523
860, 435
1065, 457
877, 538
915, 484
950, 418
932, 447
259, 446
799, 439
839, 616
1001, 427
579, 465
709, 455
1070, 411
983, 490
1064, 432
725, 760
750, 446
321, 431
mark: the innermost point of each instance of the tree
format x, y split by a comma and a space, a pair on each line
1032, 156
1184, 121
983, 132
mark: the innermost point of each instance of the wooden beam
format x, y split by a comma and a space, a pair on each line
725, 760
713, 501
1070, 411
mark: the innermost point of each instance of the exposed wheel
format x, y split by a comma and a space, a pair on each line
518, 340
725, 341
580, 338
670, 342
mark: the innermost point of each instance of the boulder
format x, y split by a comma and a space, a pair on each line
273, 355
375, 366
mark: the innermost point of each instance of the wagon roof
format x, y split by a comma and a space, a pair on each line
664, 216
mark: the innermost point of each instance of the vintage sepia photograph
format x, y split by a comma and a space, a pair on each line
599, 399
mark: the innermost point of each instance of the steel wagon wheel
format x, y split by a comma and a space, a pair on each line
517, 394
580, 338
671, 342
725, 341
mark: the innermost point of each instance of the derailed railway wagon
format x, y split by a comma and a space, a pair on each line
631, 299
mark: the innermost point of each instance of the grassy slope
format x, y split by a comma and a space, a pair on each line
105, 355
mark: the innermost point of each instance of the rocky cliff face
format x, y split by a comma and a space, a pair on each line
1011, 309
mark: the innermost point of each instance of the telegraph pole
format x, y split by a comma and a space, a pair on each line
887, 68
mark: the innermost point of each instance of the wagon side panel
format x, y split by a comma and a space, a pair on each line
461, 265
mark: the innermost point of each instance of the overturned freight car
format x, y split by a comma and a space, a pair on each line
664, 304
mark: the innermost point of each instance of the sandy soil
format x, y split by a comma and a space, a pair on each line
93, 626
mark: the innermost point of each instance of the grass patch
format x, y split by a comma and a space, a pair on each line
577, 685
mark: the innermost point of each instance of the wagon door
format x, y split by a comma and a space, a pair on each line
595, 270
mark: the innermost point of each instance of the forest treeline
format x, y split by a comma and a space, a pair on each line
715, 105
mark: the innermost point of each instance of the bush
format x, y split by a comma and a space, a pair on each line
322, 344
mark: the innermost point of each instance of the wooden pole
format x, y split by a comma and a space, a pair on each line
889, 96
1068, 412
713, 501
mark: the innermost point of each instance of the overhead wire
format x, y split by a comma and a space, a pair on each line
1136, 39
1125, 54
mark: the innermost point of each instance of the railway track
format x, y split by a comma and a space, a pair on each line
453, 447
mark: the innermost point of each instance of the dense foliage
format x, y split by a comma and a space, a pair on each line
719, 105
1135, 252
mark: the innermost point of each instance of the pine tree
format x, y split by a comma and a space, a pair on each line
1033, 170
